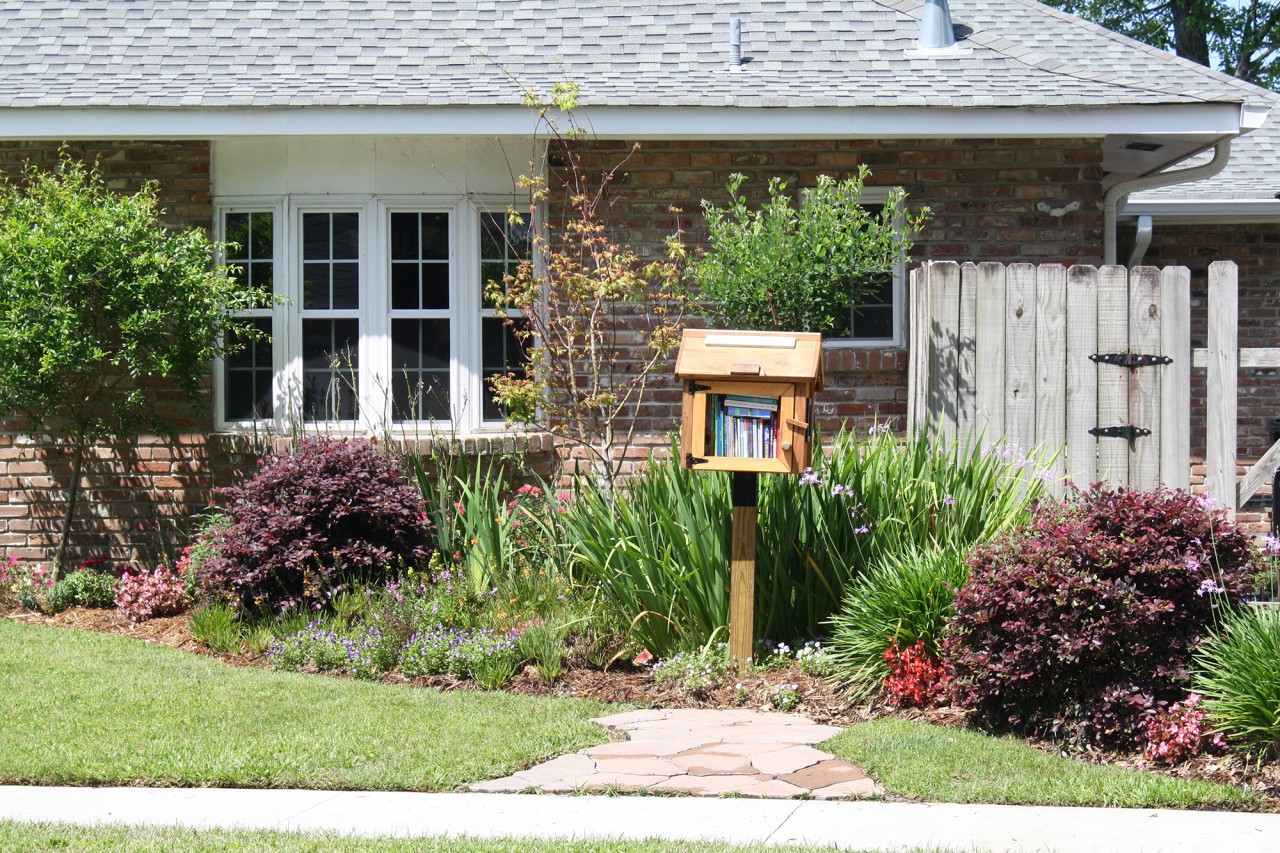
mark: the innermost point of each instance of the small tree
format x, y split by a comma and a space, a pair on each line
97, 301
797, 265
597, 319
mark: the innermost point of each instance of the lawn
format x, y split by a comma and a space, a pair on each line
82, 708
951, 765
55, 836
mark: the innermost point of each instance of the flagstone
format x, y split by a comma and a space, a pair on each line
824, 774
563, 767
705, 786
773, 788
629, 717
638, 764
860, 788
709, 764
788, 760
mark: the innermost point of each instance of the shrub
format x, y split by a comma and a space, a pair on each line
1238, 671
906, 595
361, 655
916, 679
307, 522
488, 657
82, 588
1081, 624
147, 595
1179, 732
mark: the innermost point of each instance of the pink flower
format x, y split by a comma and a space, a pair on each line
643, 658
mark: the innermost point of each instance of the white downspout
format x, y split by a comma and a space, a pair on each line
1111, 201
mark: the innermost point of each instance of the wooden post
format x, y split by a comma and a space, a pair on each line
745, 488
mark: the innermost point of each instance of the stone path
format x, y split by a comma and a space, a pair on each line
703, 752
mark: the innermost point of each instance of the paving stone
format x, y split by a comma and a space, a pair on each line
859, 788
773, 788
705, 764
638, 764
788, 760
745, 749
792, 734
625, 747
628, 781
505, 785
703, 786
824, 774
556, 769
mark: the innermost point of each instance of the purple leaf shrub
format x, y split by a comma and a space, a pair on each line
1080, 625
308, 522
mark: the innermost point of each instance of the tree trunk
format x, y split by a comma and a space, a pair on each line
73, 496
1189, 38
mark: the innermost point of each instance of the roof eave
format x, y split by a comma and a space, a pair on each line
913, 122
1200, 211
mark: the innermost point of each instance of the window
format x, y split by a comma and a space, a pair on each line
384, 321
880, 318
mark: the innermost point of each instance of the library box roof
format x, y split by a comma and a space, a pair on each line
777, 356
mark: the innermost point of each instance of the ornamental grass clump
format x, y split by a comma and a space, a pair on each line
1080, 625
1238, 671
310, 522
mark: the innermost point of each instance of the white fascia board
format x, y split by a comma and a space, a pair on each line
1205, 210
59, 123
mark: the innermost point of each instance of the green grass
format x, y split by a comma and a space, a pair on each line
938, 764
59, 836
93, 709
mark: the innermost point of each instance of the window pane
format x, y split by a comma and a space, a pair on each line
330, 369
247, 372
315, 286
262, 275
346, 285
435, 236
250, 248
873, 318
503, 246
346, 235
261, 242
420, 369
315, 236
420, 269
237, 232
502, 353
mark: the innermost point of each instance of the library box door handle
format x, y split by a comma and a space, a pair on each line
797, 424
742, 369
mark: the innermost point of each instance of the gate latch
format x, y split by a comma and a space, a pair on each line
1129, 432
1130, 359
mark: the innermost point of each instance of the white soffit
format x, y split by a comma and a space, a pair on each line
1196, 119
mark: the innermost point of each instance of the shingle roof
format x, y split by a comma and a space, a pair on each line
1253, 172
817, 53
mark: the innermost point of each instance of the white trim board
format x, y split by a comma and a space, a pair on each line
64, 123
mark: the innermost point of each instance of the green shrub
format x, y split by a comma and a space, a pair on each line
1238, 672
215, 625
907, 596
82, 588
1082, 624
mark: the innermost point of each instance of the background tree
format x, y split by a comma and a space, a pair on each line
597, 318
98, 301
797, 264
1237, 37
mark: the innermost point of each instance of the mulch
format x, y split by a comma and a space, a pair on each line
625, 683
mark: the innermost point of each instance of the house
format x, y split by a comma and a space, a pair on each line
359, 150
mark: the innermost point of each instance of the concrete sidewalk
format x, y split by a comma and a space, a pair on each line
849, 825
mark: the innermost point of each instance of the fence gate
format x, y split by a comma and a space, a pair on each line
1095, 361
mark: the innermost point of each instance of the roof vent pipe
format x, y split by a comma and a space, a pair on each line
936, 32
735, 43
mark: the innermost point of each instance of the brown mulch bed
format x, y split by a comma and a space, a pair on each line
627, 684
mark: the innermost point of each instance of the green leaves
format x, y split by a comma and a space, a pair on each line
96, 299
798, 264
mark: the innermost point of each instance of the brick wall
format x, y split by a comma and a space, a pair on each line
982, 194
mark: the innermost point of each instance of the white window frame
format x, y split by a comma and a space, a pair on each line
374, 373
880, 195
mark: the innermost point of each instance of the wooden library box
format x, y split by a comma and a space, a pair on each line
748, 398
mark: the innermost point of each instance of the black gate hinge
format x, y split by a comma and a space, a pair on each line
1129, 432
690, 460
1130, 359
694, 387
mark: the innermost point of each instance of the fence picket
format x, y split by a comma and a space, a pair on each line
944, 346
1144, 382
1081, 452
966, 353
1220, 387
989, 353
1020, 337
1051, 367
1175, 392
1113, 382
918, 364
